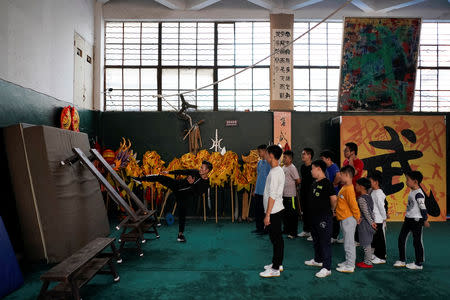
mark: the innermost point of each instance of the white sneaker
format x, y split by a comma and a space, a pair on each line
345, 269
377, 261
309, 239
399, 264
304, 234
270, 273
413, 266
323, 273
270, 266
341, 264
340, 241
313, 263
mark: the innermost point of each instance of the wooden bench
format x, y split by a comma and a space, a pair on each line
78, 269
134, 231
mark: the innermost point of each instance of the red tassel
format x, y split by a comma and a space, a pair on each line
159, 198
148, 194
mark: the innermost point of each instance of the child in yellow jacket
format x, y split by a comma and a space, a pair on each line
347, 212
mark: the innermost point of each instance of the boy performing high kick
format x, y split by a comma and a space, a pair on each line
196, 182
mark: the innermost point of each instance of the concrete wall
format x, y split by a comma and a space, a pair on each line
36, 43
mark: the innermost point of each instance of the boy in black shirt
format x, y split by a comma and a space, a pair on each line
322, 205
196, 182
306, 181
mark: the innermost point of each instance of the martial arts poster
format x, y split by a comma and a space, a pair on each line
395, 145
282, 62
379, 60
282, 128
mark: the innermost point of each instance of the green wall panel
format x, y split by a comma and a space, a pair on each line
22, 105
162, 131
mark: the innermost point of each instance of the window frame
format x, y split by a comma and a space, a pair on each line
419, 96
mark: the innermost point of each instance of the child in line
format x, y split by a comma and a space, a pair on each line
305, 191
333, 175
262, 170
273, 206
292, 179
366, 223
347, 212
380, 216
322, 204
416, 217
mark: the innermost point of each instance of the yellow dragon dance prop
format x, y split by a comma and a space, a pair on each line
225, 167
152, 164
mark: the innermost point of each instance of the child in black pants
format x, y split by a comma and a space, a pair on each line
415, 219
322, 206
273, 206
291, 181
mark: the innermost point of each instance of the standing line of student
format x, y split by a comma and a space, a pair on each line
333, 200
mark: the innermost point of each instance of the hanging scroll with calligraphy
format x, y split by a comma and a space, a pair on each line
281, 63
282, 128
395, 145
379, 62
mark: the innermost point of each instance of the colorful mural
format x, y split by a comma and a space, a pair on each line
379, 60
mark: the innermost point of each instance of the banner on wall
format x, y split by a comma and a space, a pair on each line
282, 128
282, 62
395, 145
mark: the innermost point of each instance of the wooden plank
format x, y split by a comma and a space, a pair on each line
119, 180
113, 193
75, 262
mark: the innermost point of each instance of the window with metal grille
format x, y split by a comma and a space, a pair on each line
432, 91
143, 59
131, 61
316, 66
240, 45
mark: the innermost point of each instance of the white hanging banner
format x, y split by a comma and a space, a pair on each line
281, 63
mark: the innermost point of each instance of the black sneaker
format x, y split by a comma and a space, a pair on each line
181, 238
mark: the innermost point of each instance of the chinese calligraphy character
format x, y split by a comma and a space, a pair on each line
385, 161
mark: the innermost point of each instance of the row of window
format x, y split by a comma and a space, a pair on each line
180, 56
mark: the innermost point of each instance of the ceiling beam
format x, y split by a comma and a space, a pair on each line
401, 5
363, 6
201, 4
302, 4
173, 4
267, 4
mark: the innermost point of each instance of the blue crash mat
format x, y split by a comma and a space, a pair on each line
10, 276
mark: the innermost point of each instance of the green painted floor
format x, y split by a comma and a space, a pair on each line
222, 261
